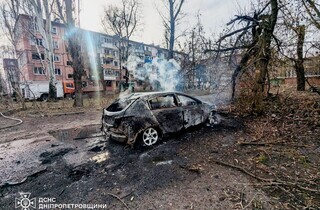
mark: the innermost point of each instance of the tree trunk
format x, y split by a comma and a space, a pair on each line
243, 62
264, 56
78, 97
78, 68
74, 49
172, 29
49, 39
299, 62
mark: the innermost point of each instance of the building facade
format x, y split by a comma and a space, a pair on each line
8, 70
103, 56
286, 74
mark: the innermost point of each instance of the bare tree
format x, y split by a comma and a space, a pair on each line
41, 13
170, 22
313, 9
253, 42
293, 29
65, 12
3, 89
10, 10
123, 22
196, 43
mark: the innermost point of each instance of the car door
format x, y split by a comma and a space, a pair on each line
167, 112
193, 113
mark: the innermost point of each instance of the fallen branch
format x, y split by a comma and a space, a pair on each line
242, 170
252, 144
127, 195
280, 143
113, 195
271, 181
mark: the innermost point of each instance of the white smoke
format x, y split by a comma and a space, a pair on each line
161, 74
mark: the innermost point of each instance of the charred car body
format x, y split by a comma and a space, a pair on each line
146, 117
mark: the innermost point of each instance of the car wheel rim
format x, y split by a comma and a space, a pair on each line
213, 119
150, 136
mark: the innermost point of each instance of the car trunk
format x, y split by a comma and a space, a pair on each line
113, 114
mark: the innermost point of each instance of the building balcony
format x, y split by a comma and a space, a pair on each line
108, 45
139, 51
148, 53
109, 56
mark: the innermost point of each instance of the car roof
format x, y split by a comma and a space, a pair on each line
154, 94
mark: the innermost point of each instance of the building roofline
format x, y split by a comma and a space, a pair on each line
54, 23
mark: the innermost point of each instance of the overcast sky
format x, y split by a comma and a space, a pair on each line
214, 15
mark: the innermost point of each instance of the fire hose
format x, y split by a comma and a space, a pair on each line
11, 118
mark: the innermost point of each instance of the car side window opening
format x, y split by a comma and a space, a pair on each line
119, 105
160, 102
186, 101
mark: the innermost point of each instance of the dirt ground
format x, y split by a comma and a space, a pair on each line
248, 162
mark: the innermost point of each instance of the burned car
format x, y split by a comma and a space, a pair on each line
145, 117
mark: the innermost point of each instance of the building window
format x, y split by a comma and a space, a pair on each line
70, 76
34, 27
56, 58
69, 85
55, 45
109, 83
36, 56
54, 30
115, 63
39, 71
106, 61
57, 71
38, 42
84, 84
107, 51
69, 63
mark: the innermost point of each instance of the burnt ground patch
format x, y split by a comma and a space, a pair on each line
142, 178
51, 156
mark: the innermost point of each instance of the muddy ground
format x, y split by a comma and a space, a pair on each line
65, 158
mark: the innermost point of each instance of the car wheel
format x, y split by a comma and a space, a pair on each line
214, 119
150, 136
44, 97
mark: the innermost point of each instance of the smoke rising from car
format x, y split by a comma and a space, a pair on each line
158, 73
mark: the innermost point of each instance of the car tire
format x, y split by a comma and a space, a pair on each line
150, 136
44, 97
214, 119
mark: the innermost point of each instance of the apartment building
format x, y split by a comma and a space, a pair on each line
103, 56
8, 74
286, 73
